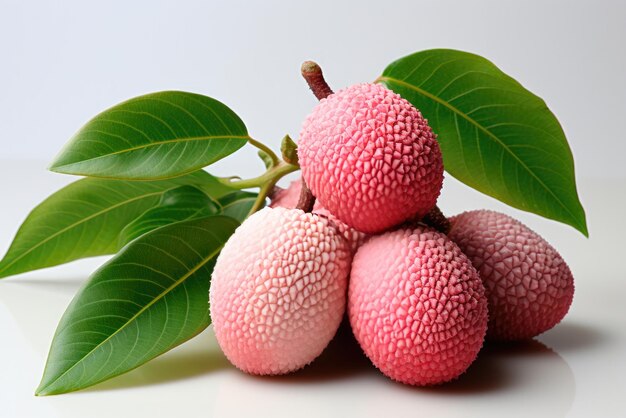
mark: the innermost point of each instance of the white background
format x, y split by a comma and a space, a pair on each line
61, 62
64, 61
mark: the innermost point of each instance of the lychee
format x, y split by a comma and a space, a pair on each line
288, 198
278, 290
416, 306
370, 158
529, 286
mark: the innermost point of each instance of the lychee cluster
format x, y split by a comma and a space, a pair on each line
420, 301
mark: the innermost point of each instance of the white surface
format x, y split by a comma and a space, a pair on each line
65, 61
576, 369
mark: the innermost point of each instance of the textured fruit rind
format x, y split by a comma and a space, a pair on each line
278, 290
370, 158
529, 286
416, 306
288, 198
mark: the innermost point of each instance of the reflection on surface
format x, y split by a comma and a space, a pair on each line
494, 369
571, 336
525, 379
201, 357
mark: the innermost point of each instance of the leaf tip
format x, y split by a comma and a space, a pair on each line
579, 221
61, 166
583, 229
41, 390
55, 167
47, 388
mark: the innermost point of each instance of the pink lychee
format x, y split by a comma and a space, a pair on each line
288, 198
529, 286
370, 158
278, 290
416, 306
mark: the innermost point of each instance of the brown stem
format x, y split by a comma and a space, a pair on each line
276, 190
306, 201
312, 73
436, 219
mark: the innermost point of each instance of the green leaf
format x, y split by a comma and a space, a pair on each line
146, 300
180, 204
156, 136
289, 150
84, 219
238, 204
495, 135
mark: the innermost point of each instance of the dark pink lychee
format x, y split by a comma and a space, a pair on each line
529, 286
416, 306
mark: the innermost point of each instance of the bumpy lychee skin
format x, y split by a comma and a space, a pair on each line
416, 306
529, 286
278, 290
288, 198
370, 158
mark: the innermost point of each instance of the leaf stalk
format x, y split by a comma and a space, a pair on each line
265, 149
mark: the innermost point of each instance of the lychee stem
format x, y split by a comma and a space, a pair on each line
260, 199
272, 175
306, 201
274, 192
312, 73
264, 182
314, 77
436, 219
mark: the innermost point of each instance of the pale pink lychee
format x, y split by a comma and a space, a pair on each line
288, 198
416, 306
529, 286
278, 290
370, 158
